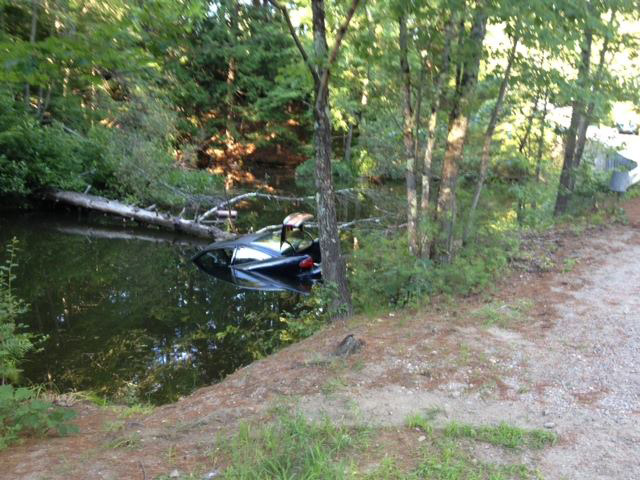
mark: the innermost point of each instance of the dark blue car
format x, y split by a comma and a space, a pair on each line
287, 257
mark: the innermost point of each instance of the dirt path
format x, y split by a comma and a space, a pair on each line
557, 350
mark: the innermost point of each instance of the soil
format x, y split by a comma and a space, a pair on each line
556, 346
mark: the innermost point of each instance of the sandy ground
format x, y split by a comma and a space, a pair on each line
557, 349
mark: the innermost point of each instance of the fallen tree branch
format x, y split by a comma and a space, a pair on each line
267, 196
101, 204
341, 226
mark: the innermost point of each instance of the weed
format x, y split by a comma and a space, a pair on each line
137, 409
504, 435
130, 442
291, 447
420, 421
568, 264
502, 314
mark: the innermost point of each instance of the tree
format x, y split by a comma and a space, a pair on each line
333, 264
458, 125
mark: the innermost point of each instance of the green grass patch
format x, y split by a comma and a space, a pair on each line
292, 447
503, 314
503, 435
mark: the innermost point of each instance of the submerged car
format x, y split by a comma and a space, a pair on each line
268, 260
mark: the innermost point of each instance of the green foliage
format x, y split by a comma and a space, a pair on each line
21, 411
383, 274
14, 344
292, 447
503, 435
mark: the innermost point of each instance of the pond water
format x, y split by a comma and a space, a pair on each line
126, 313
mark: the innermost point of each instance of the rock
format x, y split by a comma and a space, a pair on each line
422, 438
212, 474
549, 425
348, 346
174, 474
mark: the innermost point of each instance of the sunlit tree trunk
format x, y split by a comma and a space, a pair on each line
232, 69
577, 119
409, 145
433, 122
458, 126
488, 137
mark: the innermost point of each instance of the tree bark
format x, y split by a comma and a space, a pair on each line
577, 117
232, 69
588, 117
433, 118
458, 126
32, 41
488, 137
141, 215
333, 264
409, 143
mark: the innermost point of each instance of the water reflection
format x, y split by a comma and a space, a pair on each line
130, 318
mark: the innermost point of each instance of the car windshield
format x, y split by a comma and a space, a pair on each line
248, 254
297, 240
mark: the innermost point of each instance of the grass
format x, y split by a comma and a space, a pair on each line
503, 435
503, 314
292, 446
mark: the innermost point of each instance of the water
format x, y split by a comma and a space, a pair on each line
127, 315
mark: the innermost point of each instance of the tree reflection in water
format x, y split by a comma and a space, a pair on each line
135, 320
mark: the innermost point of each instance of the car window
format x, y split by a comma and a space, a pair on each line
299, 239
220, 257
248, 254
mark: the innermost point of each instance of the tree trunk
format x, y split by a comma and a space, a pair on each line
141, 215
577, 119
488, 137
333, 265
540, 152
433, 119
232, 70
409, 143
588, 117
32, 41
458, 126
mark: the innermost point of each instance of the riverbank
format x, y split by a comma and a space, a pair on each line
549, 350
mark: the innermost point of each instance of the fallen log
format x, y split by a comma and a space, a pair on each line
113, 207
218, 209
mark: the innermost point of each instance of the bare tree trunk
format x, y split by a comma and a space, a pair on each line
333, 265
347, 144
458, 126
588, 117
232, 69
577, 119
409, 143
433, 120
32, 41
488, 137
540, 152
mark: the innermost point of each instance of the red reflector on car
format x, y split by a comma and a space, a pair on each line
306, 264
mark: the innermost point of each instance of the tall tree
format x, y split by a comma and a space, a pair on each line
488, 138
333, 263
409, 141
468, 70
577, 115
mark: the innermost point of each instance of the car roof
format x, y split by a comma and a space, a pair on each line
249, 240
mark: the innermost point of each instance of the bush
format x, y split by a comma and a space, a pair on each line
383, 274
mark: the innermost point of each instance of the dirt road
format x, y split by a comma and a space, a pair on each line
557, 350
